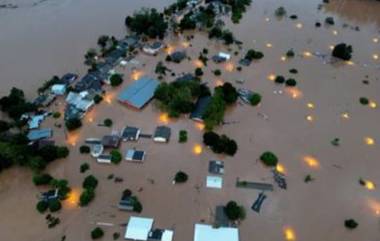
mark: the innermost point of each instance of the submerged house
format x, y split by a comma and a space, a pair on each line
204, 232
200, 108
78, 104
185, 78
135, 155
162, 134
216, 167
221, 57
153, 48
68, 78
35, 135
104, 158
130, 133
111, 141
139, 93
138, 228
178, 56
58, 89
161, 235
91, 81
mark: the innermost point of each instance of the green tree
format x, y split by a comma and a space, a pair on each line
255, 99
73, 124
116, 80
54, 205
116, 157
180, 177
42, 206
97, 233
342, 51
148, 22
269, 159
86, 197
90, 182
233, 211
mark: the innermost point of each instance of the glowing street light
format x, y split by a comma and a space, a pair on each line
280, 168
289, 234
335, 32
269, 45
272, 77
369, 141
307, 54
283, 58
299, 25
311, 161
372, 104
309, 118
197, 149
375, 40
345, 115
310, 105
164, 118
375, 56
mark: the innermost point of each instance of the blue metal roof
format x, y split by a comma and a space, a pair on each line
34, 135
139, 92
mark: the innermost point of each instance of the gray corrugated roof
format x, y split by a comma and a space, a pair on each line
200, 108
139, 92
162, 131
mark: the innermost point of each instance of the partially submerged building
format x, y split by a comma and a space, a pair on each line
139, 93
104, 158
138, 228
162, 134
111, 141
221, 57
58, 89
185, 78
130, 133
78, 104
35, 135
204, 232
135, 155
216, 167
153, 48
200, 108
178, 56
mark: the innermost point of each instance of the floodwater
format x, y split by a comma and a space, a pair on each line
299, 125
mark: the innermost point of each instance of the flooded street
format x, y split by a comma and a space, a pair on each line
50, 38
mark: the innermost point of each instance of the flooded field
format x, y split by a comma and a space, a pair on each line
52, 37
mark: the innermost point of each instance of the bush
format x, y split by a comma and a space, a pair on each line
56, 115
350, 224
233, 211
182, 136
342, 51
217, 72
116, 80
42, 206
291, 82
364, 101
108, 122
84, 167
293, 71
98, 99
220, 144
73, 124
279, 79
97, 233
290, 53
54, 205
90, 182
137, 207
210, 138
42, 179
198, 72
253, 54
255, 99
115, 236
330, 21
269, 159
127, 193
62, 152
84, 149
116, 157
280, 12
180, 177
86, 197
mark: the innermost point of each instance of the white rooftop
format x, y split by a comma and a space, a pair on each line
205, 232
167, 235
138, 228
214, 182
224, 55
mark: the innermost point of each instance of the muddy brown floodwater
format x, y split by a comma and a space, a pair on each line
51, 38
